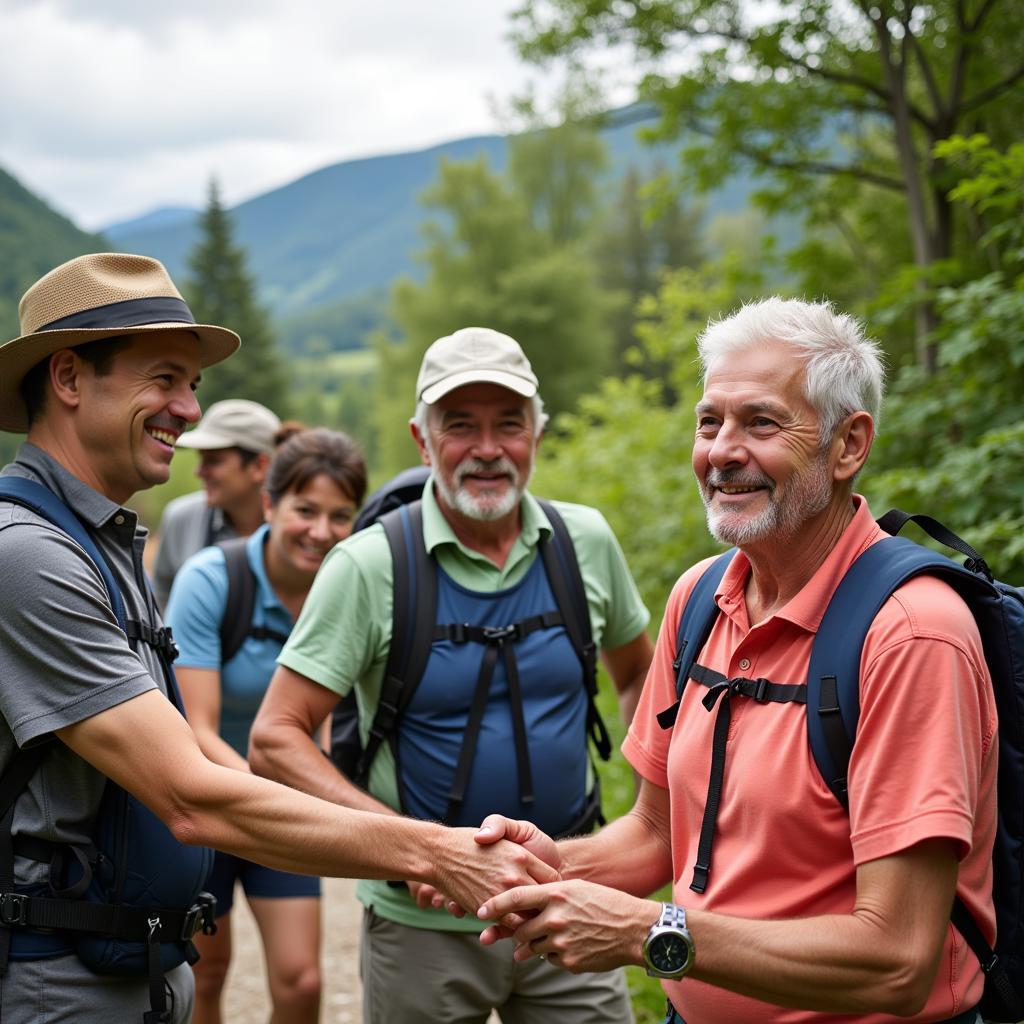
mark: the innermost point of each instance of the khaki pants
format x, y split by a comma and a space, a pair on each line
416, 976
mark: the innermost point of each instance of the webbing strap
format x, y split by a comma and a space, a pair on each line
115, 920
566, 581
414, 600
14, 780
160, 639
721, 690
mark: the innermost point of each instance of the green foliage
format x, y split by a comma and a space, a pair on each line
220, 291
489, 264
953, 445
33, 240
626, 448
820, 99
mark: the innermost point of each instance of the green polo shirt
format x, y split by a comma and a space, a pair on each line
342, 637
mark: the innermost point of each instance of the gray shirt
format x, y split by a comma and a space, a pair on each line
63, 658
187, 525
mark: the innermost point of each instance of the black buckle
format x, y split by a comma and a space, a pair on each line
192, 923
761, 690
500, 633
165, 641
208, 909
13, 909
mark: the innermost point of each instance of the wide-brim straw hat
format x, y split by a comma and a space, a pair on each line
102, 295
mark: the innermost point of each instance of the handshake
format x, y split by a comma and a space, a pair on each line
509, 872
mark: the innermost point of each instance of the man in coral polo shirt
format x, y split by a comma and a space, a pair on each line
808, 912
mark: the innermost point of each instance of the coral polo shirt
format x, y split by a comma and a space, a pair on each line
923, 766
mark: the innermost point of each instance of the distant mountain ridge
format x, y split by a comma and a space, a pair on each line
354, 227
324, 249
33, 239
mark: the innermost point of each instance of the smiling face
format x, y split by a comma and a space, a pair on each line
127, 419
305, 525
757, 456
230, 480
480, 444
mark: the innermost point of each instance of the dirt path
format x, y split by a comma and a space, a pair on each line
246, 1000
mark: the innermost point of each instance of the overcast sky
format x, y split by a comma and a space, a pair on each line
113, 107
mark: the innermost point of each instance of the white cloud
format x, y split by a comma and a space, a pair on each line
113, 107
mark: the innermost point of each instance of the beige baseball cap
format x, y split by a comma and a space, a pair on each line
474, 355
234, 423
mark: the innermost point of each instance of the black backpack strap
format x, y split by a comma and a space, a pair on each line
695, 625
413, 614
566, 581
22, 767
721, 691
894, 520
237, 618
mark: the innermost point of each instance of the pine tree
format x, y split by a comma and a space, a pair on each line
221, 291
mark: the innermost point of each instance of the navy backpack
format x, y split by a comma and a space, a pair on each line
832, 696
131, 901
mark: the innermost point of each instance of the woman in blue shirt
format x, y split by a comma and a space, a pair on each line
315, 485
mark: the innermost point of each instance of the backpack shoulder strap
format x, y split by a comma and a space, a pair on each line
241, 600
833, 675
413, 615
566, 581
695, 625
45, 503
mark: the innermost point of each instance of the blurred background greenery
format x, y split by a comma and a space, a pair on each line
868, 154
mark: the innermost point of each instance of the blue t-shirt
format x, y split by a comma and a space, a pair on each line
194, 611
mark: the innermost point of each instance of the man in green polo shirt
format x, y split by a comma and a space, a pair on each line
478, 423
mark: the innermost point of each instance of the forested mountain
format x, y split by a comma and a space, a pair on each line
355, 227
33, 239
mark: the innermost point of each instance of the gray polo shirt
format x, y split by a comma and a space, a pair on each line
63, 659
188, 525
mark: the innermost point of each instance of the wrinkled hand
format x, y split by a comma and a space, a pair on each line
497, 826
577, 925
468, 872
494, 828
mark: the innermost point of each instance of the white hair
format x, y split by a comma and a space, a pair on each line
845, 372
537, 415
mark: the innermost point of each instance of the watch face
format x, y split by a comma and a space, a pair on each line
668, 952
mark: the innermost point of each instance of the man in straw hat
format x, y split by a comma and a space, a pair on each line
103, 380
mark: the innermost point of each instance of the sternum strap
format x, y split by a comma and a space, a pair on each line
721, 690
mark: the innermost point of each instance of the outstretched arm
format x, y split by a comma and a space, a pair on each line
209, 805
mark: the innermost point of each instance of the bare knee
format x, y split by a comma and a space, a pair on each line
296, 993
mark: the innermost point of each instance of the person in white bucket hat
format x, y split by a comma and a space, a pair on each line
234, 439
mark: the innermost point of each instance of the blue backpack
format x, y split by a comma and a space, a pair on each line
832, 696
131, 901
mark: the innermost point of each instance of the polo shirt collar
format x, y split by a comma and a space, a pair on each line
93, 508
807, 607
437, 530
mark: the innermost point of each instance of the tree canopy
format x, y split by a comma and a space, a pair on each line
812, 92
220, 291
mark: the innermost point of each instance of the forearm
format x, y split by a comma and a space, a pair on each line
218, 750
852, 963
631, 854
284, 752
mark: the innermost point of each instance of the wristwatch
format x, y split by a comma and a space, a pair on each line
668, 949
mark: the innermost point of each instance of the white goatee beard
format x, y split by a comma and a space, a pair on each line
483, 508
789, 507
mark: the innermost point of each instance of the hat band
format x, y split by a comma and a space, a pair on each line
129, 313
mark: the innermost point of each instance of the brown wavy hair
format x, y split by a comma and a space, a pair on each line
305, 454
